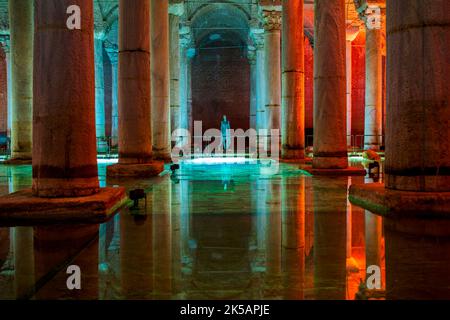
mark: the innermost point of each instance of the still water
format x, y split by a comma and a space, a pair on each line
227, 231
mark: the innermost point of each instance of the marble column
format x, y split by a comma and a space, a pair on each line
99, 87
293, 108
160, 71
7, 50
175, 11
373, 118
418, 96
251, 56
135, 138
272, 68
330, 142
114, 58
64, 153
21, 30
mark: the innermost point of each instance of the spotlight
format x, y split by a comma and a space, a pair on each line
136, 195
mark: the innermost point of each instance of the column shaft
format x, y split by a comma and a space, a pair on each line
135, 140
3, 94
64, 153
260, 84
253, 89
373, 120
272, 68
293, 110
174, 72
348, 55
160, 72
22, 30
330, 143
99, 89
418, 95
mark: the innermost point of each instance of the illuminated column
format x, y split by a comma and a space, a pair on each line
351, 34
3, 90
293, 228
373, 120
293, 109
22, 31
99, 85
7, 50
135, 135
272, 68
114, 58
175, 11
330, 142
160, 71
261, 122
418, 93
64, 76
251, 56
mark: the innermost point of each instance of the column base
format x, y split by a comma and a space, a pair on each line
349, 171
165, 157
393, 203
22, 208
292, 154
17, 162
144, 170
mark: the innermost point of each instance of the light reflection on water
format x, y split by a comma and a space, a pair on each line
227, 232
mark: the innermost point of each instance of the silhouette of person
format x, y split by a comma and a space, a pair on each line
225, 129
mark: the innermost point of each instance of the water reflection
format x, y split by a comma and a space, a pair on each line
280, 235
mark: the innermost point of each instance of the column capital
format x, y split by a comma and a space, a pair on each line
176, 8
372, 13
257, 37
271, 20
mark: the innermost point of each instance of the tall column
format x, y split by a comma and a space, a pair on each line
135, 138
114, 58
418, 96
373, 120
3, 91
293, 109
9, 85
251, 55
21, 30
175, 11
100, 125
160, 72
351, 34
272, 66
330, 142
258, 38
64, 153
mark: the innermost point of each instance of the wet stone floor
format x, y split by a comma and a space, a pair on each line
239, 230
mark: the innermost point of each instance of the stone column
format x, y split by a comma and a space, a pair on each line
7, 50
64, 153
160, 80
293, 109
272, 68
418, 96
175, 11
114, 58
3, 91
100, 125
251, 55
330, 143
135, 138
373, 120
21, 30
351, 34
260, 82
